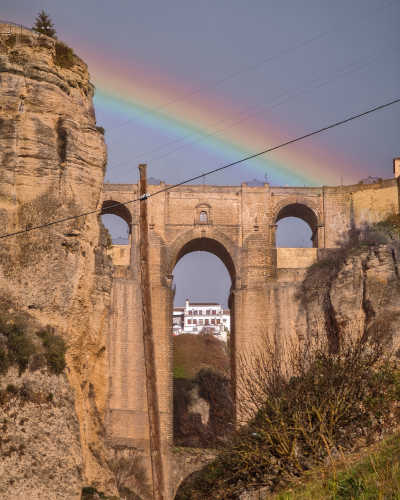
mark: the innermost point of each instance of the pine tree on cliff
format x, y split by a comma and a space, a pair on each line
45, 25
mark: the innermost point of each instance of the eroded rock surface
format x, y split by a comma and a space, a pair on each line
52, 164
364, 295
41, 455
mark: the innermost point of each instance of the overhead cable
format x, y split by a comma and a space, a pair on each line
253, 66
202, 175
249, 109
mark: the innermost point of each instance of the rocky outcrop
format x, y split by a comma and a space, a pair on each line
52, 164
41, 455
362, 296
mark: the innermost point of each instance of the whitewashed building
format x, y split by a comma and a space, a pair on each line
202, 317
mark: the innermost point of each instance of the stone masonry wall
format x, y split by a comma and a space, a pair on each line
240, 230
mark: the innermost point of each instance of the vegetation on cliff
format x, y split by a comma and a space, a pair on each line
43, 24
21, 347
65, 56
326, 394
301, 407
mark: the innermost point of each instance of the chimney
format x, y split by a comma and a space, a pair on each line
187, 303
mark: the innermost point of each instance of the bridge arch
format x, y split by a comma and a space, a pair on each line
202, 240
108, 207
299, 207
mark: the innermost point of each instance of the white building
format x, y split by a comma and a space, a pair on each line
199, 317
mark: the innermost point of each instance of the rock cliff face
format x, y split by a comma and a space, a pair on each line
52, 164
363, 296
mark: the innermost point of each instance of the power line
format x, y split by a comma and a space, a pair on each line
256, 114
204, 174
253, 66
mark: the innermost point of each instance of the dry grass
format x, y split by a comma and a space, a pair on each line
299, 406
192, 352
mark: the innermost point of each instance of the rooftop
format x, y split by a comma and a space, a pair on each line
204, 304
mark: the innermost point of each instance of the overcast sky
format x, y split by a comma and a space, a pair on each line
144, 55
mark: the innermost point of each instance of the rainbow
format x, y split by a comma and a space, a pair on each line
139, 90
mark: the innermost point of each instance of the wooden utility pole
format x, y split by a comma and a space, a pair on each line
148, 341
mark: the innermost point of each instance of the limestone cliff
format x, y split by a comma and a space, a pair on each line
362, 296
52, 164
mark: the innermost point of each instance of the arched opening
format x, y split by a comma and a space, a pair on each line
117, 220
296, 227
202, 341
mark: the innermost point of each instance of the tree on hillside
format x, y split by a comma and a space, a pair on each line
45, 25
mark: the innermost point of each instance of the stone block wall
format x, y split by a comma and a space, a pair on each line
240, 230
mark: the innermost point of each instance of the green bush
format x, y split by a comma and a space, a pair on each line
20, 346
100, 130
55, 350
109, 244
65, 57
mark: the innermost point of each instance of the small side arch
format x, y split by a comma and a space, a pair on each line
302, 208
112, 207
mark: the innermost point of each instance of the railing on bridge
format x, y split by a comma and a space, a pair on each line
19, 26
120, 241
153, 182
255, 183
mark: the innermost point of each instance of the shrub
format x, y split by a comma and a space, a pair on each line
100, 129
20, 348
297, 404
11, 389
3, 361
65, 57
109, 244
130, 474
55, 350
16, 347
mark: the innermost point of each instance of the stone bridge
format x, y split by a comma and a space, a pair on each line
238, 225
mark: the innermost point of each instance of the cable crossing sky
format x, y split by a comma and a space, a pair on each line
204, 174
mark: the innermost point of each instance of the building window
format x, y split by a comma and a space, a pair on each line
200, 322
207, 322
200, 312
189, 321
190, 313
224, 320
195, 321
213, 321
218, 322
214, 312
203, 217
208, 311
195, 313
